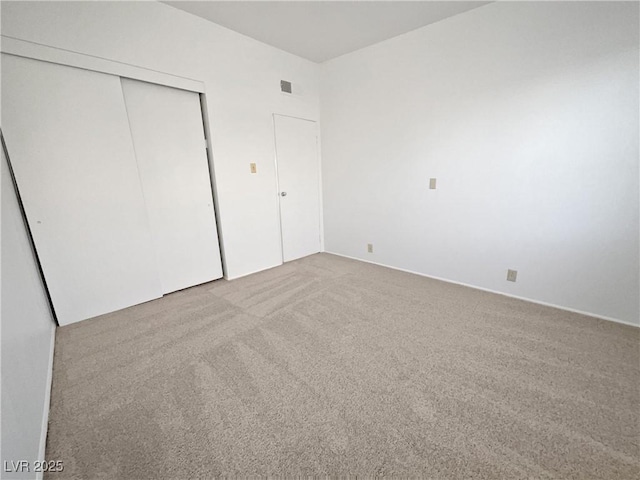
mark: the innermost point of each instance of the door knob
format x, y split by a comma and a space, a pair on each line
284, 194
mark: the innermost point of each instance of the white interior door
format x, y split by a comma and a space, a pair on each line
168, 135
68, 137
299, 185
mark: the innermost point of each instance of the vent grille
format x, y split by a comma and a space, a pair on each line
285, 86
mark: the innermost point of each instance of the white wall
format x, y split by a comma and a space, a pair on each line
27, 332
242, 81
527, 115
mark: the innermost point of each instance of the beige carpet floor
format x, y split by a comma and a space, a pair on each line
328, 366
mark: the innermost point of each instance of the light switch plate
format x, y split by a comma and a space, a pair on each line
253, 167
432, 183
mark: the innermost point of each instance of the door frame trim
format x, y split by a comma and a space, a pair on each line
70, 58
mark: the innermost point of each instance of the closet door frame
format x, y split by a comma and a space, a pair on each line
34, 51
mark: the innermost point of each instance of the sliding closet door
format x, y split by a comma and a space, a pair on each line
168, 136
68, 137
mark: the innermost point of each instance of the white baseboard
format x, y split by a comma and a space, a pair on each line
47, 404
530, 300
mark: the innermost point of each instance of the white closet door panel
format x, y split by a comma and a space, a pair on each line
68, 136
168, 135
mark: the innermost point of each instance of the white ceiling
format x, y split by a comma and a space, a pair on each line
322, 30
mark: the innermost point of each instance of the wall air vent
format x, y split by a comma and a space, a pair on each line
285, 86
